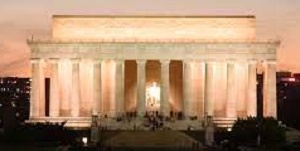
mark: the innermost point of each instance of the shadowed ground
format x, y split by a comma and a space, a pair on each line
27, 146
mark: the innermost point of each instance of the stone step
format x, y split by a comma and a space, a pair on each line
112, 124
151, 139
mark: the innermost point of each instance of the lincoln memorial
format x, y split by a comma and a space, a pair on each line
188, 66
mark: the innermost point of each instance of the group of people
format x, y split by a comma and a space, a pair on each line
154, 120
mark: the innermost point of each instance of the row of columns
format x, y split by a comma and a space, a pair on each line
38, 88
231, 108
37, 108
251, 99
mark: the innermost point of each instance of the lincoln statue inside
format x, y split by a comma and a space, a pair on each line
115, 66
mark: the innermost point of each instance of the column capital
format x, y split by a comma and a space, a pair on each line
188, 61
269, 61
199, 61
210, 61
252, 61
230, 61
119, 61
97, 61
141, 61
75, 60
35, 60
53, 60
164, 61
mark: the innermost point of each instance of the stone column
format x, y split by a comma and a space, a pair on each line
97, 84
65, 82
165, 87
187, 88
209, 89
231, 91
38, 89
54, 90
141, 87
251, 101
200, 108
119, 93
42, 101
34, 96
75, 102
269, 89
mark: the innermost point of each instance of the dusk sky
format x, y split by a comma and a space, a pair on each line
276, 19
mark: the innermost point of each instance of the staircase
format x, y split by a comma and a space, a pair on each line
224, 122
138, 124
152, 139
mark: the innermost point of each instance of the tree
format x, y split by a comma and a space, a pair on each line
246, 131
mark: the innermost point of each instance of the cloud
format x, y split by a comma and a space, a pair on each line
15, 67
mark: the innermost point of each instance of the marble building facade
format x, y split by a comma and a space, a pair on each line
109, 65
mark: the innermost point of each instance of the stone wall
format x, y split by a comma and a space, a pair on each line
154, 28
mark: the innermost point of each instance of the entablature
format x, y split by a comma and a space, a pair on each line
155, 50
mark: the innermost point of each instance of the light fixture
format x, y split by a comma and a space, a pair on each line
84, 141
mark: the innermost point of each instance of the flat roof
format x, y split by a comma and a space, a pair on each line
153, 16
145, 27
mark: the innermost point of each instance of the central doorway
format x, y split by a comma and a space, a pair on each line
153, 97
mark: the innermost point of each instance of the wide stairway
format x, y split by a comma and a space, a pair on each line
152, 139
139, 124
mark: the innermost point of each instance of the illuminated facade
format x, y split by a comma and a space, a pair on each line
109, 65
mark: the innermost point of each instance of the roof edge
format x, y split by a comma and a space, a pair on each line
153, 16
